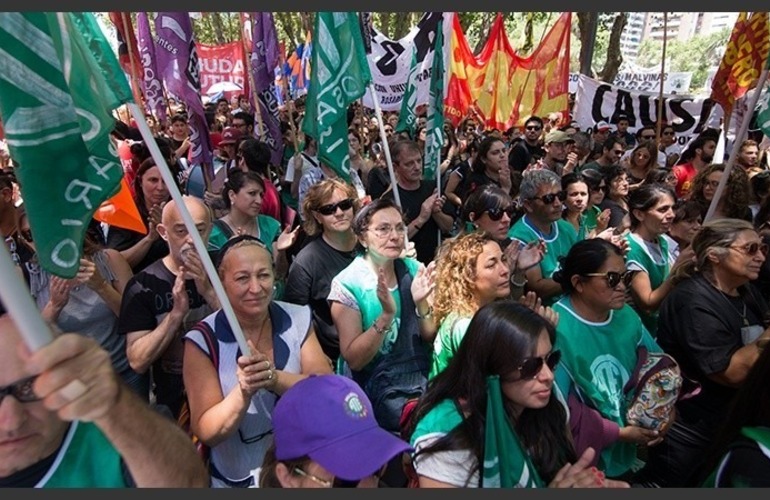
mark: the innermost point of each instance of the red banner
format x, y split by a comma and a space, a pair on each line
222, 63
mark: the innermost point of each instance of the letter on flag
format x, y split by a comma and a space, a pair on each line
264, 59
340, 76
435, 124
151, 84
59, 82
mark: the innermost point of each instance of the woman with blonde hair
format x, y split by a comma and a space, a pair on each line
642, 160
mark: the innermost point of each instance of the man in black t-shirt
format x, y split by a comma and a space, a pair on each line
528, 149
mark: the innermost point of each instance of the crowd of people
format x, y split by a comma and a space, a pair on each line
393, 330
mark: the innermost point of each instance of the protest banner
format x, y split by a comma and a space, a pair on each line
221, 63
648, 81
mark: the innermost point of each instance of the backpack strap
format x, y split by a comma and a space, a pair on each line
211, 341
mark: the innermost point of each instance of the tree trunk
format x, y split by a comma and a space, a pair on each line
587, 24
401, 24
385, 18
528, 29
219, 29
289, 27
614, 56
484, 32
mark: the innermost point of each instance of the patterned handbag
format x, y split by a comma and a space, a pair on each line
653, 389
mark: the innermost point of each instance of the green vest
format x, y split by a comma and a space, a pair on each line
639, 254
448, 338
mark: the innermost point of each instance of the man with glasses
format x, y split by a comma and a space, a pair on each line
612, 151
528, 149
102, 435
542, 199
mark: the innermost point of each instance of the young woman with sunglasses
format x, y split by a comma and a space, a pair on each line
711, 323
598, 334
507, 348
329, 208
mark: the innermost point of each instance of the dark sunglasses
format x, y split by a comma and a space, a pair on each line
752, 248
648, 137
21, 390
331, 208
531, 367
533, 127
551, 197
613, 278
496, 214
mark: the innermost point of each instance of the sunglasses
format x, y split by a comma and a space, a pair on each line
531, 367
648, 137
551, 197
337, 482
496, 214
533, 127
752, 248
331, 208
613, 278
21, 390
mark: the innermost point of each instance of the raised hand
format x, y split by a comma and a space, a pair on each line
59, 291
89, 275
522, 258
424, 282
287, 238
254, 372
383, 294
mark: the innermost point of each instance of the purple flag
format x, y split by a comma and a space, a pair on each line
151, 85
264, 59
178, 61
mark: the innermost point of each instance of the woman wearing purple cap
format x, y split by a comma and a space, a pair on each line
338, 444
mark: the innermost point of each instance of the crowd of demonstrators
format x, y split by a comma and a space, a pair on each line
531, 276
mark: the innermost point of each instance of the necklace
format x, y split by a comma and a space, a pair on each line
741, 314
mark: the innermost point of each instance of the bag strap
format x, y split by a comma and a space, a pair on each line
224, 227
211, 342
641, 358
408, 318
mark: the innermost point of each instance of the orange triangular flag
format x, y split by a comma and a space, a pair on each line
121, 211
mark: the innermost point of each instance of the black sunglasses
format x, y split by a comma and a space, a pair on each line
533, 127
530, 367
613, 278
331, 208
21, 390
496, 214
551, 197
648, 137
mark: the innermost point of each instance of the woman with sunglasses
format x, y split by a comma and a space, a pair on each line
231, 394
616, 179
508, 349
379, 304
642, 160
587, 220
735, 199
328, 211
598, 334
711, 323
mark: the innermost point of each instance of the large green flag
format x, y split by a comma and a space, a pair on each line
506, 463
59, 82
340, 76
435, 126
407, 117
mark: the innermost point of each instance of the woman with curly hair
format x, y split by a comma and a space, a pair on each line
734, 203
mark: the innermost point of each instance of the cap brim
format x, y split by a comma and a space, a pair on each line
360, 455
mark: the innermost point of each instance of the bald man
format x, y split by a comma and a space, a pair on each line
68, 421
162, 302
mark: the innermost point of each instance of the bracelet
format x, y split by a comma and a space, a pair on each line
517, 284
380, 331
427, 315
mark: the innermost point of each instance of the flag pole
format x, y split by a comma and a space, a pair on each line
385, 145
659, 124
134, 82
255, 96
735, 150
198, 242
19, 304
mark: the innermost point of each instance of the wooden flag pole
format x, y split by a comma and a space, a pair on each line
255, 96
659, 124
134, 81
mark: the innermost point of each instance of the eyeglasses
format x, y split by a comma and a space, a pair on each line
533, 127
384, 231
531, 367
496, 214
551, 197
336, 482
668, 133
648, 136
331, 208
752, 248
613, 278
255, 438
21, 390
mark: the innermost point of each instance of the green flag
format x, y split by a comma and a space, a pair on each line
340, 76
506, 463
435, 126
59, 83
407, 117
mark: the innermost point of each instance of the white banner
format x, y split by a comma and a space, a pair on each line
675, 82
596, 101
390, 60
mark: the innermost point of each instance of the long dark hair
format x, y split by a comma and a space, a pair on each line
499, 337
479, 164
586, 256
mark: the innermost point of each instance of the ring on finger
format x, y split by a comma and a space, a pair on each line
268, 364
269, 374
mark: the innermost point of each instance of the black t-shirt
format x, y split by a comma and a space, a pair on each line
701, 328
120, 239
522, 154
377, 182
426, 239
747, 467
308, 283
475, 180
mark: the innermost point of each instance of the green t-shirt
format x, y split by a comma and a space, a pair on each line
448, 338
641, 258
268, 228
597, 361
589, 221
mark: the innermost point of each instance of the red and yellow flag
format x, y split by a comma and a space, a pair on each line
458, 99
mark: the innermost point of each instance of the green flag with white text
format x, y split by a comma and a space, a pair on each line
434, 139
506, 462
407, 117
59, 83
340, 77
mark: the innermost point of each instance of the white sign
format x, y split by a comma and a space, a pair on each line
391, 60
675, 82
596, 101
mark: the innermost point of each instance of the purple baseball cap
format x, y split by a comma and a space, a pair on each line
330, 419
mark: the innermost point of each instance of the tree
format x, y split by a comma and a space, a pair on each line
614, 57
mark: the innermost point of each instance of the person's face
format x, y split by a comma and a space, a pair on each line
393, 121
313, 475
223, 107
684, 230
496, 158
154, 188
409, 166
749, 156
668, 136
492, 274
577, 197
739, 261
388, 130
248, 199
530, 393
619, 186
422, 135
614, 154
179, 129
596, 291
340, 220
498, 229
647, 135
542, 211
711, 184
641, 157
229, 150
671, 180
173, 230
707, 152
28, 432
384, 237
597, 195
532, 131
354, 144
601, 135
557, 150
657, 220
26, 232
241, 125
247, 277
422, 121
622, 126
